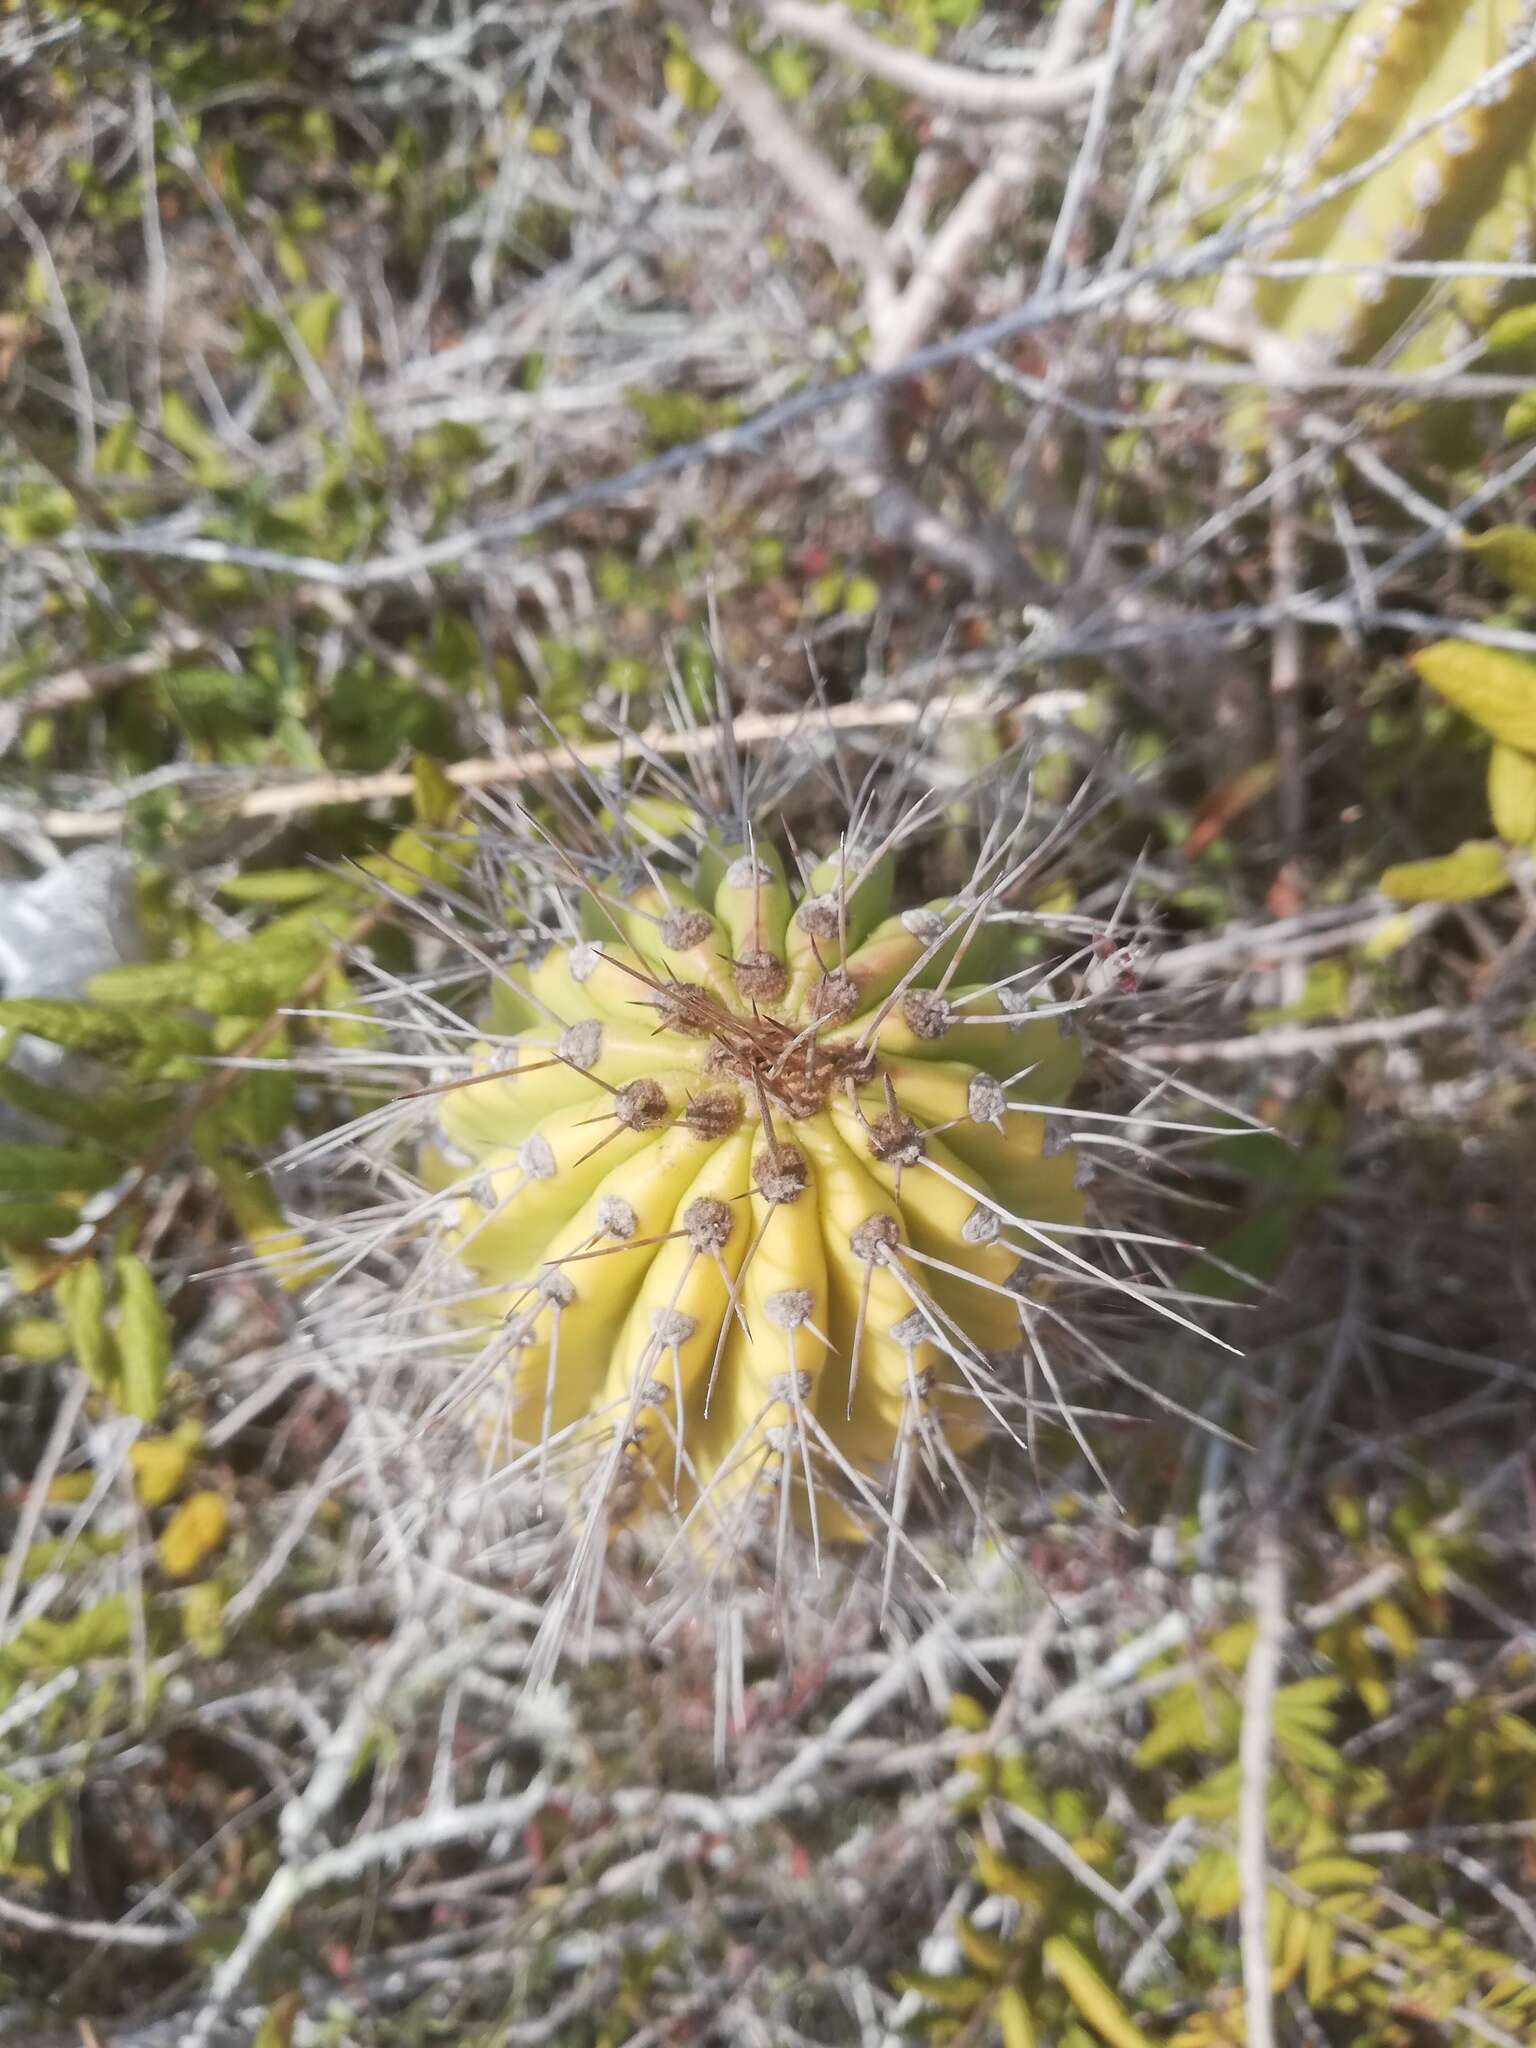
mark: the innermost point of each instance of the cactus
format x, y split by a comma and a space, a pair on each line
756, 1176
1323, 96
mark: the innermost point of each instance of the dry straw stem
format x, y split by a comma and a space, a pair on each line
531, 764
1259, 1681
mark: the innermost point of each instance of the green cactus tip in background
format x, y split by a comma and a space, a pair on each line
1350, 140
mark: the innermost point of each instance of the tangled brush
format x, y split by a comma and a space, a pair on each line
755, 1202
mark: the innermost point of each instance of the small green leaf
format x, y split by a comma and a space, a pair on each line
81, 1293
1512, 793
434, 799
312, 319
187, 434
790, 70
1513, 329
1478, 867
1520, 420
687, 82
1509, 551
1495, 690
363, 436
278, 885
143, 1339
1335, 1874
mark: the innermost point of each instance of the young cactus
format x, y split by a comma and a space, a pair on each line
757, 1178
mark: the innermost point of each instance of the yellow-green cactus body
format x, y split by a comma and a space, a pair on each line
1321, 100
747, 1191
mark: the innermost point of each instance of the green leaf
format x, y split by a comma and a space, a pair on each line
186, 433
81, 1293
434, 799
143, 1339
246, 978
28, 1223
1495, 690
1509, 551
1520, 420
127, 1115
790, 70
953, 1994
1013, 2020
1089, 1993
257, 1213
312, 319
44, 1645
1478, 867
44, 1169
1512, 793
278, 885
363, 436
102, 1028
1511, 330
687, 82
260, 1103
1335, 1874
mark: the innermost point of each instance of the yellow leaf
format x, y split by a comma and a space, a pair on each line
1395, 1625
1013, 2020
545, 141
160, 1464
1092, 1997
202, 1618
1293, 1947
143, 1339
950, 1994
1512, 792
1476, 868
1495, 690
70, 1487
967, 1713
982, 1951
1333, 1873
193, 1532
1006, 1879
1389, 937
1319, 1961
276, 2029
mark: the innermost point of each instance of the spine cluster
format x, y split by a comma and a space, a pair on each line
755, 1185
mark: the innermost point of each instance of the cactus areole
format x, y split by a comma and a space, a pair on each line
753, 1191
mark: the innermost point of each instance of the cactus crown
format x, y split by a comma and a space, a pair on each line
757, 1179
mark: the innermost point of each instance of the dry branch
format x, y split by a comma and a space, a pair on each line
532, 764
1003, 95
